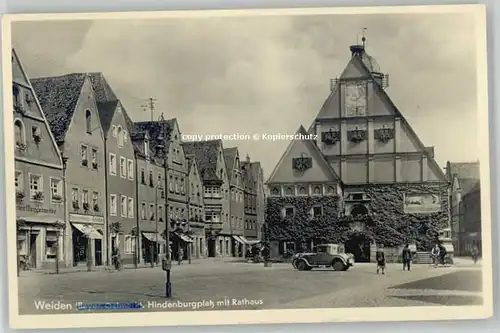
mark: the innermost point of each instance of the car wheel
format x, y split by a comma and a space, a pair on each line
301, 265
338, 265
308, 268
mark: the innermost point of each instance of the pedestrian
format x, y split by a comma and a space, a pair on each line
180, 256
248, 254
406, 256
442, 255
380, 257
475, 253
265, 253
116, 258
435, 253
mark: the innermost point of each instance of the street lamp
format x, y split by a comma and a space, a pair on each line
65, 212
167, 263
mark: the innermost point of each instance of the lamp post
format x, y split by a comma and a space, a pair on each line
189, 220
162, 138
65, 212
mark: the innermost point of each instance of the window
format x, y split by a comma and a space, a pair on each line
120, 136
83, 155
160, 213
317, 211
130, 207
176, 183
159, 180
152, 212
151, 182
143, 176
114, 131
35, 134
125, 136
171, 182
88, 121
112, 205
95, 201
19, 136
74, 197
143, 210
94, 158
123, 206
18, 99
182, 186
289, 212
130, 170
85, 200
123, 167
130, 244
19, 181
51, 245
55, 190
36, 187
112, 164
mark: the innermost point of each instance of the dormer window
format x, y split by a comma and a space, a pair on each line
88, 121
120, 136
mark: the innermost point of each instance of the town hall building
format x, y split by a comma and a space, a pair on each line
366, 180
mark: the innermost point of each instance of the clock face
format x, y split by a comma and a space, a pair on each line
355, 99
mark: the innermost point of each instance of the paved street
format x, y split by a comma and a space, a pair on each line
252, 286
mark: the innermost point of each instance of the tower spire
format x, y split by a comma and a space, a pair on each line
363, 39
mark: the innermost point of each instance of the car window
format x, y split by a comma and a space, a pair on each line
322, 249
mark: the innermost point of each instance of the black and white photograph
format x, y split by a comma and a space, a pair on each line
232, 167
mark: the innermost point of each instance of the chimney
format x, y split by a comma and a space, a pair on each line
248, 158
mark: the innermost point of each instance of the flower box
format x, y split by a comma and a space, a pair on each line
21, 146
38, 196
356, 136
85, 162
86, 206
37, 138
20, 109
96, 208
94, 166
19, 195
76, 204
56, 198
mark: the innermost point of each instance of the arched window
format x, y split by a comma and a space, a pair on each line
19, 132
146, 147
88, 121
221, 173
120, 137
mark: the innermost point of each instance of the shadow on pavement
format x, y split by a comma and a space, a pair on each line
463, 281
448, 300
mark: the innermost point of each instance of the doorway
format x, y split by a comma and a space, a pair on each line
359, 246
33, 253
98, 252
211, 248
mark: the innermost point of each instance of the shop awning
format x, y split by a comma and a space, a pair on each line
248, 241
87, 230
238, 239
184, 238
154, 237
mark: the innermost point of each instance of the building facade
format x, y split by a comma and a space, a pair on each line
462, 177
196, 210
151, 193
260, 192
120, 181
236, 201
250, 199
470, 221
388, 188
39, 178
69, 105
209, 156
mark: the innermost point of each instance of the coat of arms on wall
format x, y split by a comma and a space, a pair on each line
302, 163
356, 135
330, 137
384, 134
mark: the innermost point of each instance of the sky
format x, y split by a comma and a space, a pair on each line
269, 74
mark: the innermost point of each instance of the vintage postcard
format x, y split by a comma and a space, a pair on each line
247, 166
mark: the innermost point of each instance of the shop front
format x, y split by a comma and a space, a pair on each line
180, 244
88, 245
153, 246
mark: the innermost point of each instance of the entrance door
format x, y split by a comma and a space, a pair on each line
211, 248
360, 248
33, 253
98, 252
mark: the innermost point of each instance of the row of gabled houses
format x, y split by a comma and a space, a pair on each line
89, 179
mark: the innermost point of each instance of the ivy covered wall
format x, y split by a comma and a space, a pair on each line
387, 223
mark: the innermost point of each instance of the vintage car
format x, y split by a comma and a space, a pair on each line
324, 255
